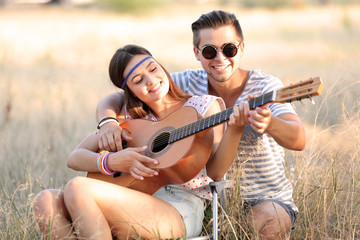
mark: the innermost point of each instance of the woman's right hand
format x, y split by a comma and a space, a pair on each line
131, 160
111, 136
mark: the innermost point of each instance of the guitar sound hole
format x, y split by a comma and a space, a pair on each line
160, 142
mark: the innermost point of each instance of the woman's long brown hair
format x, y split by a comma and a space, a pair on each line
135, 107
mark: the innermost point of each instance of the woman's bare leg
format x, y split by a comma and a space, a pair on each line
51, 215
100, 210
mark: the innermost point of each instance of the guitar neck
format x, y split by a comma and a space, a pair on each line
295, 92
217, 118
262, 100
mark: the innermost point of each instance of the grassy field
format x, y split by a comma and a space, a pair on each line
53, 71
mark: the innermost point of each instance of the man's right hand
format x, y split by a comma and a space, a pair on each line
111, 136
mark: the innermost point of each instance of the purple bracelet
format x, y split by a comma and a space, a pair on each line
105, 164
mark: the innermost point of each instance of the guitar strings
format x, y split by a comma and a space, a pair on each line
202, 124
192, 128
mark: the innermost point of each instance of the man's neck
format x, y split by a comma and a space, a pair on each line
230, 90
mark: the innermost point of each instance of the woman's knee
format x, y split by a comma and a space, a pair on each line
74, 192
45, 203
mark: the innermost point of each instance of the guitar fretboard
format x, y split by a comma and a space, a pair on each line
216, 119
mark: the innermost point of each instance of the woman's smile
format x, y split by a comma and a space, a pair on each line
155, 88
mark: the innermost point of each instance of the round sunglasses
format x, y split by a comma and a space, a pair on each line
229, 50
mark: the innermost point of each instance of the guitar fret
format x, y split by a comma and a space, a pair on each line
192, 128
200, 125
228, 113
186, 129
213, 120
172, 136
254, 104
268, 97
196, 127
258, 102
179, 133
261, 100
223, 116
207, 121
217, 118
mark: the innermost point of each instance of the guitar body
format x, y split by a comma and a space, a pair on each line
179, 161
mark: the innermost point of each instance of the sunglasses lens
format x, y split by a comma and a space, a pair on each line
230, 50
209, 52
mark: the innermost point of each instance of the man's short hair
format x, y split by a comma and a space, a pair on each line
215, 19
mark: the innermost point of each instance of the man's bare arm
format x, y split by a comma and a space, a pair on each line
286, 129
111, 135
110, 106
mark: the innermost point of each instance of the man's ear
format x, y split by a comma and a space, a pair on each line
196, 52
242, 47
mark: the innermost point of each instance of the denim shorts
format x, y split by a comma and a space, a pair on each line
190, 207
292, 214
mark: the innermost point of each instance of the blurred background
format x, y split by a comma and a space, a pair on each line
54, 57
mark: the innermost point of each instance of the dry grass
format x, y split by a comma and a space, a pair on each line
53, 70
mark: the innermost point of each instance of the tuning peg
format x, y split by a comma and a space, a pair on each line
311, 100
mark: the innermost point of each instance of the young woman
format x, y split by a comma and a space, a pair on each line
89, 208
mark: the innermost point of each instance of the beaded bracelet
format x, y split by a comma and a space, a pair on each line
102, 163
106, 120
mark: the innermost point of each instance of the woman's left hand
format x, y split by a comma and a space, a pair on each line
239, 117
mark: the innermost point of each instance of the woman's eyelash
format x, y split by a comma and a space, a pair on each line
151, 70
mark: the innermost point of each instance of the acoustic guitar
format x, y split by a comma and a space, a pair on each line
182, 142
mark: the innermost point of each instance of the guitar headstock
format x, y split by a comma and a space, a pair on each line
301, 90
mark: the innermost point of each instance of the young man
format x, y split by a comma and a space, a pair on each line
267, 193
